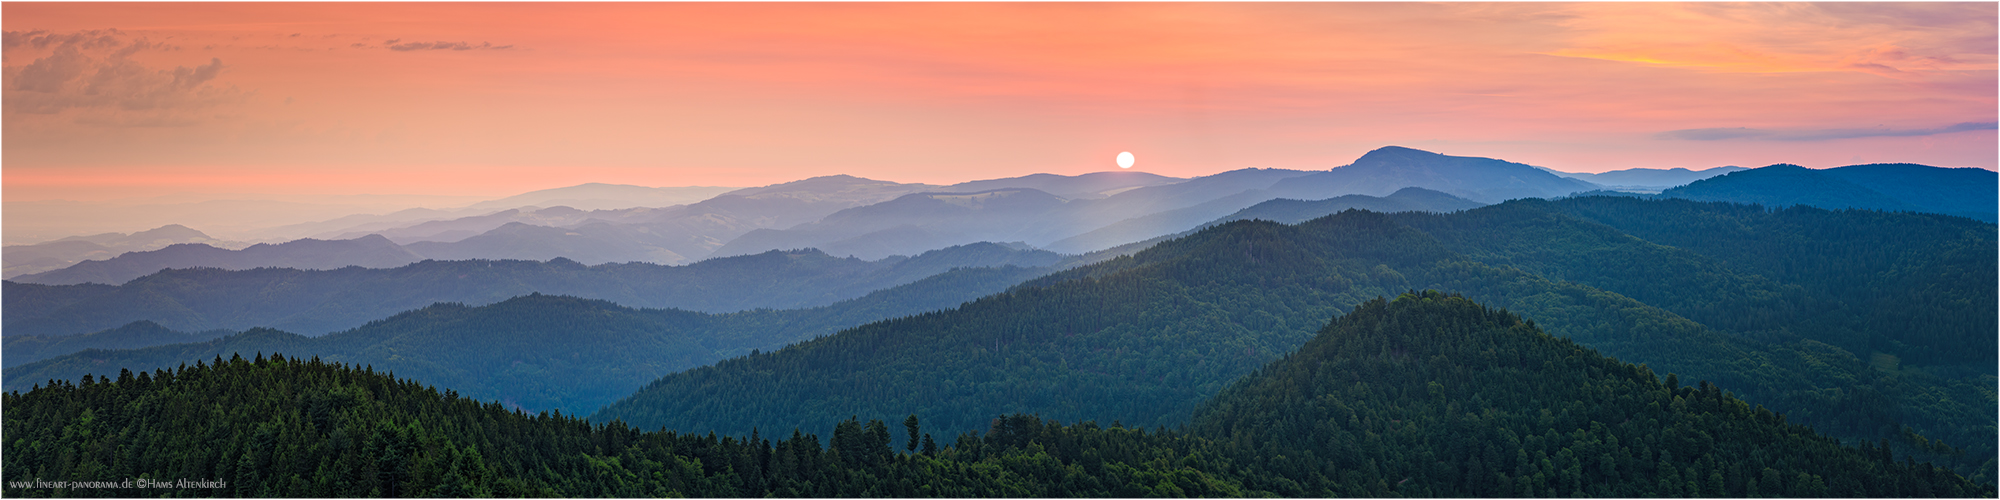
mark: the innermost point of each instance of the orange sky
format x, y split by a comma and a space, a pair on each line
111, 99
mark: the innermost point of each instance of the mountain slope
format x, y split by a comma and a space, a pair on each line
1459, 400
1904, 301
1917, 286
1964, 192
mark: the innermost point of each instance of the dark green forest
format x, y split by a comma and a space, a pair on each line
1435, 395
1900, 302
1144, 339
1917, 286
1428, 395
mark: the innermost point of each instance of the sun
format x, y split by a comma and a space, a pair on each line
1125, 159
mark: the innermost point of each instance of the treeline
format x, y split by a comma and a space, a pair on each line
280, 427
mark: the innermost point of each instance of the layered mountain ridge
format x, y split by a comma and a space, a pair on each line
314, 302
870, 219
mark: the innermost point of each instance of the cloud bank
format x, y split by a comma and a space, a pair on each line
93, 72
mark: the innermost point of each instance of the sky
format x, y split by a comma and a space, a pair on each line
110, 100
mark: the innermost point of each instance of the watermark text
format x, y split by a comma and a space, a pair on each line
140, 483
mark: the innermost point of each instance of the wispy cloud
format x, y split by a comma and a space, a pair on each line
413, 46
1719, 134
1904, 41
42, 39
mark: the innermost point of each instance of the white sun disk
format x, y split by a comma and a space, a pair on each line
1125, 159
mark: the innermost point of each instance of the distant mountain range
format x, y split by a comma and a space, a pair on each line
598, 196
249, 218
366, 251
58, 254
915, 221
319, 301
314, 302
1648, 179
669, 235
848, 216
459, 228
1038, 218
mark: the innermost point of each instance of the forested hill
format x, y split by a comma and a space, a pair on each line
1144, 339
539, 352
285, 427
1963, 192
1460, 401
1433, 395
